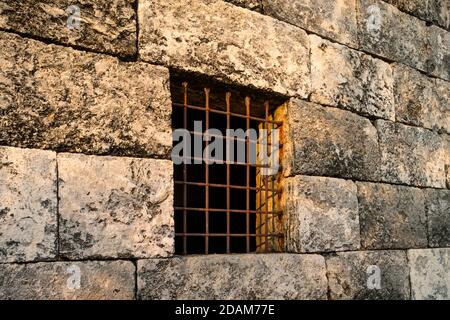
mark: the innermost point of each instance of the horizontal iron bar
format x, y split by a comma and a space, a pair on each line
216, 185
225, 137
228, 210
276, 235
278, 123
231, 163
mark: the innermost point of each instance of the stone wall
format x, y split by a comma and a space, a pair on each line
86, 182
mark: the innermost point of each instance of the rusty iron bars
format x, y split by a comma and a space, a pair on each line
262, 193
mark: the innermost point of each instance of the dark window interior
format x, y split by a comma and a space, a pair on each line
216, 213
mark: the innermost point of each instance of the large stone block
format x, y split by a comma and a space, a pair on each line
104, 26
323, 141
28, 205
421, 100
321, 214
437, 206
411, 155
440, 55
435, 11
89, 280
115, 207
368, 275
349, 79
57, 98
233, 277
443, 92
332, 19
219, 39
391, 217
392, 34
430, 274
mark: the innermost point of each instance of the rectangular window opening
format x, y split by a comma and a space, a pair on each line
233, 204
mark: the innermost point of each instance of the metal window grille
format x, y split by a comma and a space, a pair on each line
230, 207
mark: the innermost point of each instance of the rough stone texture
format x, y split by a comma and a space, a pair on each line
115, 207
346, 78
335, 20
437, 206
430, 274
222, 40
391, 217
330, 142
410, 155
59, 281
248, 4
105, 26
390, 33
443, 92
233, 277
61, 99
435, 11
28, 214
321, 214
440, 40
421, 100
349, 275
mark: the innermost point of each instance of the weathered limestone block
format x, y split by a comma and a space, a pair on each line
105, 26
391, 217
435, 11
368, 275
219, 39
443, 92
437, 206
248, 4
440, 40
430, 274
233, 277
115, 207
330, 142
352, 80
90, 280
392, 34
321, 214
332, 19
57, 98
421, 100
410, 155
28, 205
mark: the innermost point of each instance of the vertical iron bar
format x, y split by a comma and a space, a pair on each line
185, 86
278, 180
258, 200
247, 107
206, 173
259, 197
273, 213
272, 150
266, 126
228, 96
